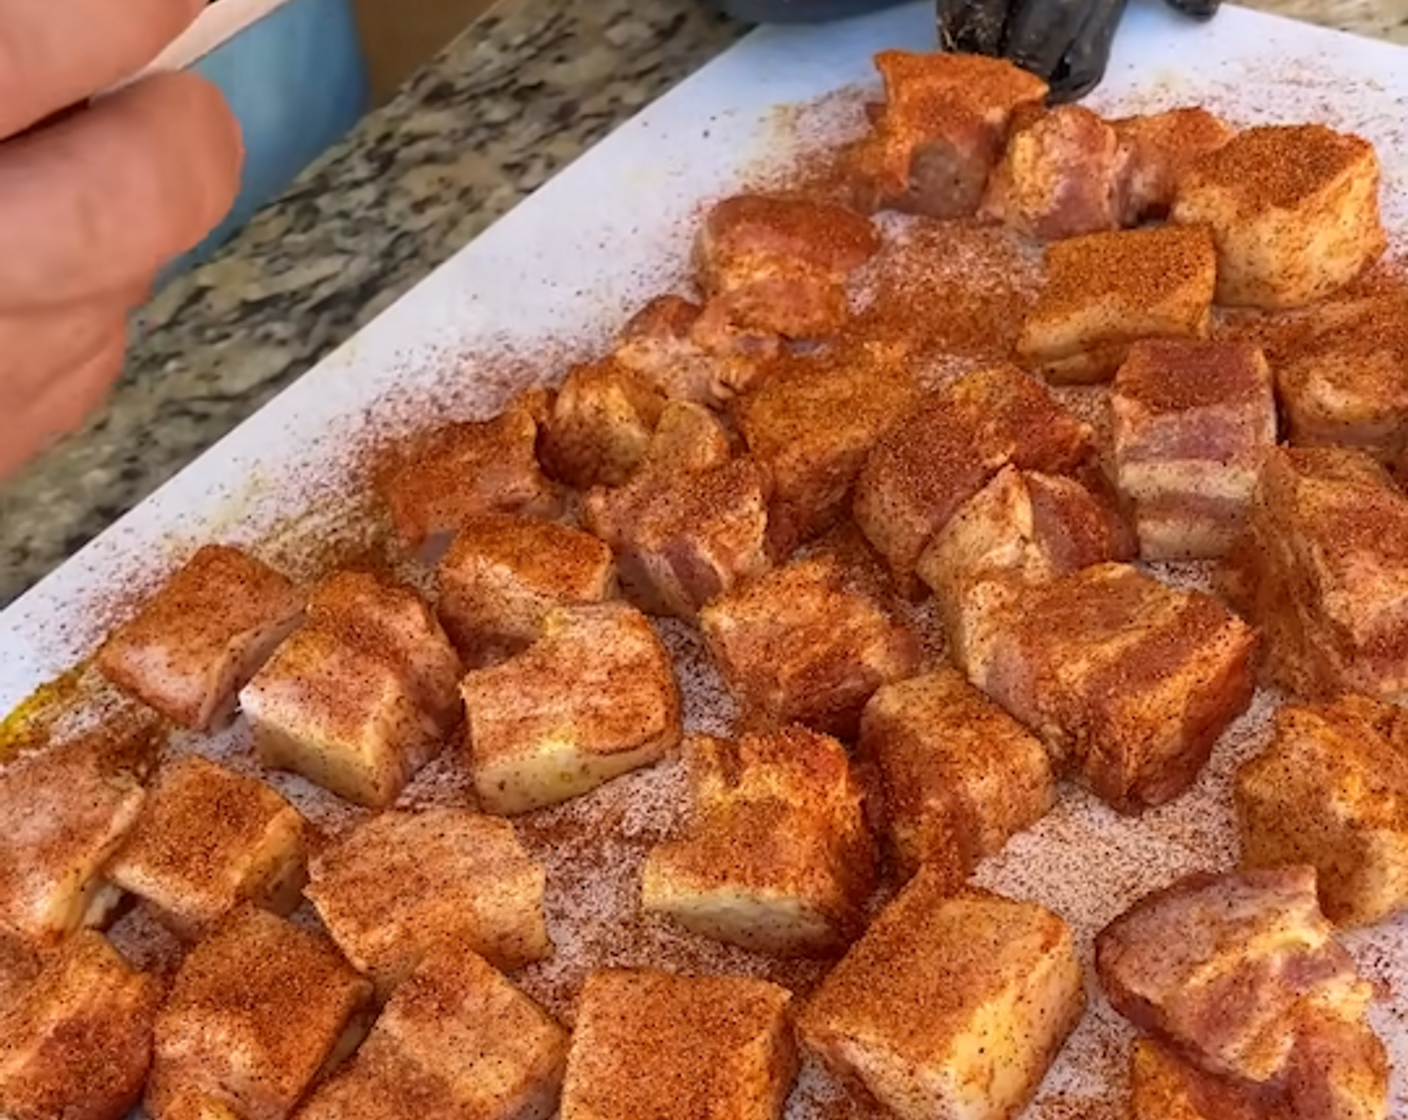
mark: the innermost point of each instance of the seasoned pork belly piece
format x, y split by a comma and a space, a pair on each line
20, 963
779, 859
257, 1012
942, 127
465, 469
595, 697
1164, 1086
77, 1042
920, 473
653, 1044
1107, 290
196, 642
402, 883
1126, 680
781, 264
1022, 528
1158, 151
1240, 972
960, 776
950, 1005
802, 644
813, 423
1323, 572
1060, 176
600, 424
208, 840
1193, 422
686, 531
1294, 210
65, 812
362, 696
1332, 791
502, 575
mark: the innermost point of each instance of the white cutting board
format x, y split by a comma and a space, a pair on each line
585, 250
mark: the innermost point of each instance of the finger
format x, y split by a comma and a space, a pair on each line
37, 347
972, 26
64, 405
56, 52
1042, 31
1198, 9
106, 198
1083, 68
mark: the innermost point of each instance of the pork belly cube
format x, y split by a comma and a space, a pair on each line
1323, 572
1022, 528
781, 264
201, 637
1193, 422
503, 574
692, 353
66, 811
812, 425
780, 859
402, 883
1293, 209
1158, 150
653, 1044
256, 1012
950, 1005
1332, 791
1060, 175
1163, 1086
20, 964
208, 840
470, 468
941, 130
600, 425
1105, 291
456, 1039
919, 473
1127, 680
803, 645
960, 776
77, 1042
594, 698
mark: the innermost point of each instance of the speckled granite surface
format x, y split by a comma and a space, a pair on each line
521, 94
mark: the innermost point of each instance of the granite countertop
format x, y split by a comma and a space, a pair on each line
522, 93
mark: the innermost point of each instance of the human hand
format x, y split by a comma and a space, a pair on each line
93, 204
1067, 42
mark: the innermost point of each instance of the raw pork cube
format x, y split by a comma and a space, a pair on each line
457, 1039
1158, 151
600, 425
1020, 529
1163, 1086
202, 636
595, 697
20, 964
207, 840
949, 1006
780, 859
940, 132
1294, 210
802, 645
960, 775
1323, 572
1332, 791
812, 425
945, 451
466, 469
1060, 175
1240, 972
402, 883
1129, 681
652, 1044
1193, 422
257, 1011
1107, 290
503, 574
66, 811
362, 696
781, 264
